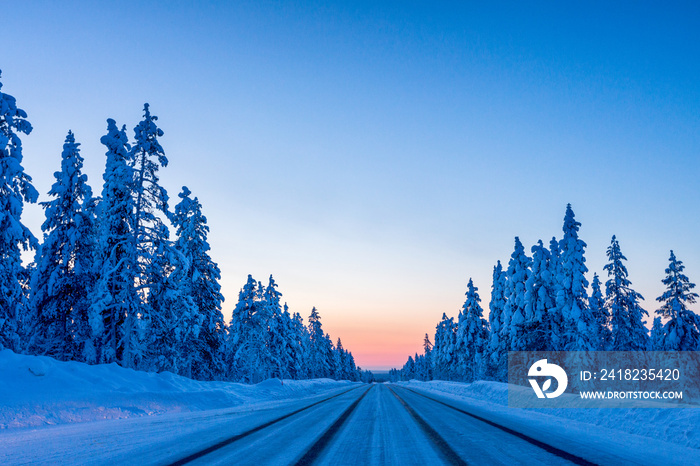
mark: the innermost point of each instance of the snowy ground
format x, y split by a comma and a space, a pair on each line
55, 412
39, 391
679, 426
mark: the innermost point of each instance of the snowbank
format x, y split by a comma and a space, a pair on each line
680, 426
38, 391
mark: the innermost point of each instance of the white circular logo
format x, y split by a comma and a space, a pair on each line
543, 369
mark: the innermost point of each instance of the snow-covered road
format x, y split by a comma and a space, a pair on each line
476, 441
376, 424
379, 424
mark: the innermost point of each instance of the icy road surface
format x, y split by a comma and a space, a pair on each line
358, 424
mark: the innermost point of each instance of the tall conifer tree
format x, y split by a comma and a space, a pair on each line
153, 247
64, 272
497, 343
200, 281
472, 336
15, 189
682, 329
596, 303
319, 347
116, 306
444, 363
539, 301
628, 330
578, 331
514, 312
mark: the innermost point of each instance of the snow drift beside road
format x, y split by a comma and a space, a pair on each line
37, 391
673, 425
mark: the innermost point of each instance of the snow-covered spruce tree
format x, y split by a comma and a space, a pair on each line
497, 345
258, 354
291, 352
298, 367
408, 371
64, 273
514, 312
236, 330
427, 372
319, 348
539, 301
329, 355
444, 363
150, 199
173, 340
351, 367
150, 204
555, 317
579, 332
628, 330
339, 357
348, 364
366, 376
394, 375
656, 342
682, 329
419, 361
200, 281
436, 356
239, 354
419, 365
279, 335
472, 336
115, 302
596, 304
461, 353
462, 362
15, 189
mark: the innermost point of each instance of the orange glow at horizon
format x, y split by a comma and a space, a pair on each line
372, 350
376, 342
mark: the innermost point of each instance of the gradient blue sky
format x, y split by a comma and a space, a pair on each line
375, 155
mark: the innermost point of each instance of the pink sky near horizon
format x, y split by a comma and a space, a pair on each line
375, 348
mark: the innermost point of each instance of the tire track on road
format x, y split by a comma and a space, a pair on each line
549, 448
317, 448
217, 446
448, 454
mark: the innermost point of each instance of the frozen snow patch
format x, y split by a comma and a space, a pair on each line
271, 383
38, 367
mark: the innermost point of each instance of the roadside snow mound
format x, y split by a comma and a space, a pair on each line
674, 425
38, 390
